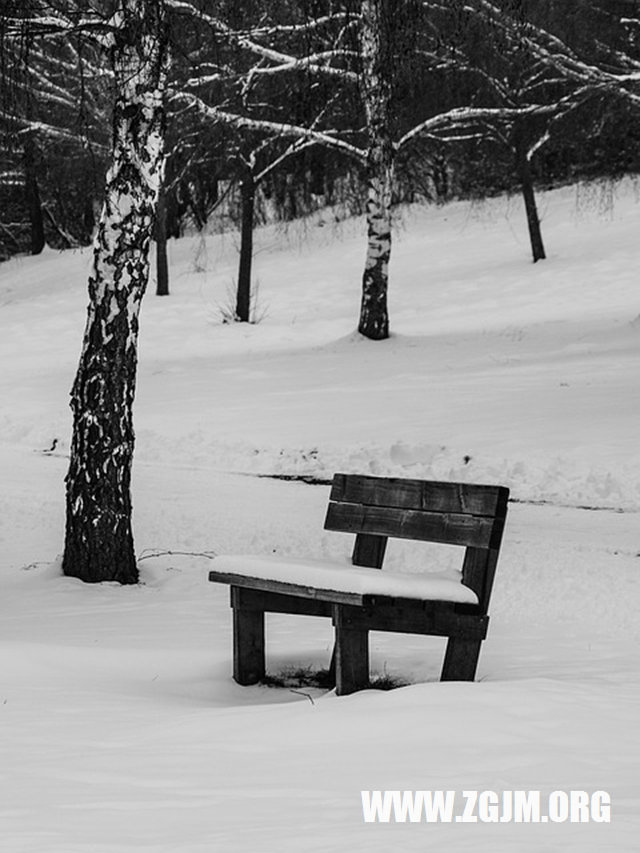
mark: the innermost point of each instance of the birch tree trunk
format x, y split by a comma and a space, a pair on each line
376, 88
99, 540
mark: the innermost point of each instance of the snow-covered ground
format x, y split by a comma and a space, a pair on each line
121, 728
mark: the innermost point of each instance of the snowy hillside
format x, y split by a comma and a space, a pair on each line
122, 728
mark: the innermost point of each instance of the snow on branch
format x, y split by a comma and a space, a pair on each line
277, 129
466, 115
557, 55
51, 131
311, 62
298, 145
52, 25
314, 63
295, 148
538, 144
305, 27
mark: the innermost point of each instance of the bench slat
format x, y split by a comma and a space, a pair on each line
285, 588
278, 602
411, 617
419, 494
446, 528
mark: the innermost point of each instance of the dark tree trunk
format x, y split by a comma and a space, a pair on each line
99, 539
32, 193
533, 220
162, 264
88, 218
440, 174
174, 211
376, 87
243, 298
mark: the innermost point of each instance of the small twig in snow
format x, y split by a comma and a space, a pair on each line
301, 693
149, 554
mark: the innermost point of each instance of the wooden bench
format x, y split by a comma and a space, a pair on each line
359, 600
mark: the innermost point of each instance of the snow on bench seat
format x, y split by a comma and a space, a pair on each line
337, 582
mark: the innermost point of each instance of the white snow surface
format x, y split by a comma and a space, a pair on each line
338, 577
120, 727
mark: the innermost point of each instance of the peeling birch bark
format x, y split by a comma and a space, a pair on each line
374, 316
376, 89
99, 539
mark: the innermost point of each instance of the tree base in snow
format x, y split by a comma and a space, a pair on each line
374, 328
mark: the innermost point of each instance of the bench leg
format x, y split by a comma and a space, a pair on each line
460, 660
248, 646
331, 678
351, 655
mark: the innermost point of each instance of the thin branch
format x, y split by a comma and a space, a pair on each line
273, 128
151, 554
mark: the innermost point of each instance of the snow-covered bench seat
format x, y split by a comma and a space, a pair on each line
359, 598
336, 582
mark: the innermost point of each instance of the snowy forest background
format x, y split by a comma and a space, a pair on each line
339, 204
283, 106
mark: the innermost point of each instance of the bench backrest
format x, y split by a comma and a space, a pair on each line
465, 514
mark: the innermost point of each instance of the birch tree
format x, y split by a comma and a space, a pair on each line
377, 67
98, 537
99, 540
